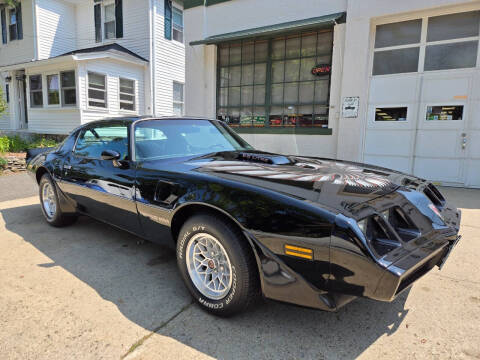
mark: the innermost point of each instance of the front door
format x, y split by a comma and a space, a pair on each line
441, 136
22, 100
103, 189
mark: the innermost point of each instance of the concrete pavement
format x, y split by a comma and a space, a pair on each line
89, 291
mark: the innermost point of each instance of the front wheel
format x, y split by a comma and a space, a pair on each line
50, 204
217, 265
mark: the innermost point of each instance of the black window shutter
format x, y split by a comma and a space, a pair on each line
97, 14
4, 26
168, 19
118, 19
19, 22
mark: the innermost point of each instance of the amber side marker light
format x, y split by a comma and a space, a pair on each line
299, 252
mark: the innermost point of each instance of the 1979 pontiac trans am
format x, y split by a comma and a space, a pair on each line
310, 231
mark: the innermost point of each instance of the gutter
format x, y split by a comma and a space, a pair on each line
35, 30
152, 55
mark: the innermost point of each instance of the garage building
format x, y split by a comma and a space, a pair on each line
392, 83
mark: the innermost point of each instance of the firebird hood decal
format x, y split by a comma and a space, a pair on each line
334, 183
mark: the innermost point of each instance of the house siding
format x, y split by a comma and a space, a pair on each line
18, 51
168, 62
56, 28
113, 70
135, 27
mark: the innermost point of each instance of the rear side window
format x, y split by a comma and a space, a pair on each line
93, 141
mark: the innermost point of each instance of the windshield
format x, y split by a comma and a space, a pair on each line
161, 139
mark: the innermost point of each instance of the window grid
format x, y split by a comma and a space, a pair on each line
225, 110
127, 94
94, 90
425, 43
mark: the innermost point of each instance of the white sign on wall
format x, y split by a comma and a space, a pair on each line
350, 107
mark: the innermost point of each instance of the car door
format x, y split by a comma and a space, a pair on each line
103, 189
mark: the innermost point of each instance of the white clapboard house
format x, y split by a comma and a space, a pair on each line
66, 62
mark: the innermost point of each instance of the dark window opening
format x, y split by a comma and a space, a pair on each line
279, 82
445, 112
391, 114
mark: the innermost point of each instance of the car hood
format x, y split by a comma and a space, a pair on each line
331, 183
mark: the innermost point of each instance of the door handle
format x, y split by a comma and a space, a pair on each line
464, 141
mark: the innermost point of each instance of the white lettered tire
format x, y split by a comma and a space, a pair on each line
217, 265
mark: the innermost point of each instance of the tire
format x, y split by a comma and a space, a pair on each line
50, 204
238, 291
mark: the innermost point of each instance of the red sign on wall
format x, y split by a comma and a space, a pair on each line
322, 69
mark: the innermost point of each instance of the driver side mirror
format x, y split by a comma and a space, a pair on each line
110, 155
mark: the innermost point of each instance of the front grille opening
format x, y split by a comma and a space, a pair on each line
434, 195
381, 238
402, 224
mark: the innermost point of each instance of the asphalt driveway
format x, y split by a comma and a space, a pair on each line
90, 291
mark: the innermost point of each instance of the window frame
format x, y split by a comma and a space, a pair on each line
10, 10
422, 45
178, 102
174, 9
62, 104
135, 101
47, 90
105, 91
269, 82
104, 5
81, 131
30, 91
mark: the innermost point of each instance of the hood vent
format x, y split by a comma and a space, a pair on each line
434, 195
264, 158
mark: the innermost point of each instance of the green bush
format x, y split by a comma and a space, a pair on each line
3, 164
17, 144
4, 144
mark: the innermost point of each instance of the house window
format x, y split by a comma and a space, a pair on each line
127, 94
178, 99
12, 27
69, 91
177, 27
280, 82
391, 114
36, 95
53, 90
109, 21
451, 43
97, 90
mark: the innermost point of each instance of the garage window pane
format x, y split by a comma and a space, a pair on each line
445, 112
391, 114
395, 61
454, 26
451, 56
400, 33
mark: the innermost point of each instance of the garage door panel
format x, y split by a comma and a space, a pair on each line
394, 89
444, 170
437, 143
389, 162
473, 144
473, 173
444, 89
474, 118
388, 142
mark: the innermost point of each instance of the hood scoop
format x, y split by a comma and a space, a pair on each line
264, 158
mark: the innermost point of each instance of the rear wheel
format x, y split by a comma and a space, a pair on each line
50, 204
217, 265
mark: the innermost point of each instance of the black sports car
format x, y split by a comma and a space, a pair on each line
309, 231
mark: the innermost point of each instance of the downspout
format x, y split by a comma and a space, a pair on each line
152, 55
35, 30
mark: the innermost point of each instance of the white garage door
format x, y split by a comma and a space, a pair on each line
424, 98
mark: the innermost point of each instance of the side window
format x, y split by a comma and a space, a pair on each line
93, 141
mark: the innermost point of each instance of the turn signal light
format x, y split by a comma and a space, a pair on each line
300, 252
